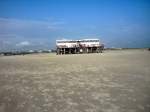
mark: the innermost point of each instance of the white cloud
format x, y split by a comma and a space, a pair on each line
15, 32
9, 24
24, 43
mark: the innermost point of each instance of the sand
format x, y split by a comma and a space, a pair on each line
114, 81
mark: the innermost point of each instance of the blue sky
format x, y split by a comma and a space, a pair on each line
26, 24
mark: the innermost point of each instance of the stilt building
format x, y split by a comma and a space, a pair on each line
79, 46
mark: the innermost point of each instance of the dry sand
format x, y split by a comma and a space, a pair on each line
114, 81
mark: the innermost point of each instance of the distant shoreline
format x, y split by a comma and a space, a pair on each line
13, 53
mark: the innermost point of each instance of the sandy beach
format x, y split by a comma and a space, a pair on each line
113, 81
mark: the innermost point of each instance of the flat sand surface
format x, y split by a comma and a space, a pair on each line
114, 81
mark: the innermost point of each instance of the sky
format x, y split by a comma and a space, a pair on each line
36, 24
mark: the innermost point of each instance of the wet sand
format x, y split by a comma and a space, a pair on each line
114, 81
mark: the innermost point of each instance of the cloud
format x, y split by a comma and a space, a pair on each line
28, 28
24, 43
16, 32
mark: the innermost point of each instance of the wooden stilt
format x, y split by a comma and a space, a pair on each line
75, 50
87, 50
64, 50
69, 50
58, 51
61, 51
